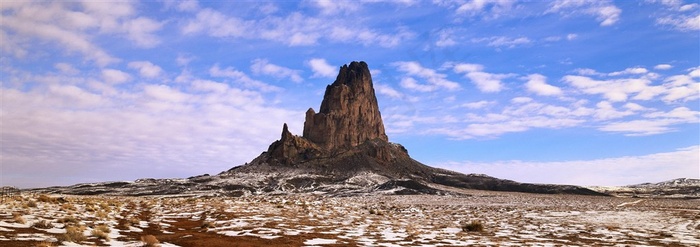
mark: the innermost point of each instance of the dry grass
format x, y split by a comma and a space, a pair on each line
43, 224
100, 234
150, 241
68, 220
73, 234
30, 204
47, 199
68, 207
17, 217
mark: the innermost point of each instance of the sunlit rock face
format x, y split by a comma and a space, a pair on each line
349, 113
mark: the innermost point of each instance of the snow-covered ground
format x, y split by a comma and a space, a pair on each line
508, 219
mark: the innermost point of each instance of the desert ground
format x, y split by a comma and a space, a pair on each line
479, 218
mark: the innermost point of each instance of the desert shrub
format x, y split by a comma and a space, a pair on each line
68, 207
42, 224
31, 204
45, 244
100, 234
68, 220
17, 217
101, 214
134, 221
47, 198
73, 234
104, 228
150, 241
474, 226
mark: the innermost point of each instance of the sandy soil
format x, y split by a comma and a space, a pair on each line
507, 219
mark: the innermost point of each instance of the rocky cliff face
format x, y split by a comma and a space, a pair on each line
349, 113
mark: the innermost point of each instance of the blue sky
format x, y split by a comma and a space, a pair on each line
568, 92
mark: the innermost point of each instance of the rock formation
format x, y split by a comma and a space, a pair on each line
343, 150
349, 113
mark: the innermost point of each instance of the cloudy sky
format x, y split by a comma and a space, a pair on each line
568, 91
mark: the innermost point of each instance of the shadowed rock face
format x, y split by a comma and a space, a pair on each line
349, 114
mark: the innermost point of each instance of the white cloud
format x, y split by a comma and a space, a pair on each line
434, 79
66, 68
70, 134
412, 84
445, 38
113, 76
478, 104
682, 23
617, 171
499, 41
571, 36
537, 83
388, 91
606, 111
262, 66
614, 90
655, 122
74, 26
329, 7
487, 8
321, 68
663, 66
629, 71
604, 11
146, 68
241, 78
485, 82
295, 29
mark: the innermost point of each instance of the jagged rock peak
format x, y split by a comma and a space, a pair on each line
349, 113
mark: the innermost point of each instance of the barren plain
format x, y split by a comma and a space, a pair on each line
470, 217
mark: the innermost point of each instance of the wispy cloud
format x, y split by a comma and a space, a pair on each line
434, 79
604, 11
262, 66
614, 171
321, 68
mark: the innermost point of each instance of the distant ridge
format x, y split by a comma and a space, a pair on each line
344, 150
674, 188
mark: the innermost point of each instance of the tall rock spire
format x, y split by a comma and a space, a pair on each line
349, 113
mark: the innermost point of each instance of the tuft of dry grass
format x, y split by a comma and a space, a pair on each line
46, 198
73, 234
43, 224
30, 204
150, 241
17, 217
68, 207
474, 226
46, 244
99, 234
68, 220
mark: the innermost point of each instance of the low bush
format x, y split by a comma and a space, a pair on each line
43, 224
73, 234
17, 217
150, 241
474, 226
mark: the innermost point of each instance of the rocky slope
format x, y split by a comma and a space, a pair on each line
675, 188
343, 150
